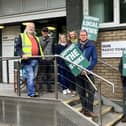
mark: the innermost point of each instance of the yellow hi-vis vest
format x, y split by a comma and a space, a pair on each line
27, 45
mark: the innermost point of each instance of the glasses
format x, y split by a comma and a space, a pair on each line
44, 31
83, 35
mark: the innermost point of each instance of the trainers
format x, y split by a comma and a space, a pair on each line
33, 95
68, 91
64, 92
73, 93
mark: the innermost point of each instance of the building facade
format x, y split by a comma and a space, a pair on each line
67, 14
15, 12
112, 33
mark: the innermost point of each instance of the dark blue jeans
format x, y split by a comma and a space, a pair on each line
86, 92
63, 77
30, 71
71, 80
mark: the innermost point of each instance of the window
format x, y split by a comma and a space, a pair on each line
110, 12
102, 9
122, 11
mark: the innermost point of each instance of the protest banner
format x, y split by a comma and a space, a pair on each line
74, 55
91, 25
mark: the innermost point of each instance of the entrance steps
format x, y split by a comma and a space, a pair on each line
110, 117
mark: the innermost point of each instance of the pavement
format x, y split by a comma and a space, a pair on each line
8, 90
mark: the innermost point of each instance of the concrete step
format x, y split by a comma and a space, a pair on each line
111, 118
73, 99
78, 107
105, 108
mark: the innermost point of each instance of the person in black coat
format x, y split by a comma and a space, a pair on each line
62, 67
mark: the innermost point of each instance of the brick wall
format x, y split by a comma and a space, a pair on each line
107, 72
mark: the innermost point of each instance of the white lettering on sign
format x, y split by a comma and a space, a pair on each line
91, 30
91, 24
64, 53
79, 59
72, 55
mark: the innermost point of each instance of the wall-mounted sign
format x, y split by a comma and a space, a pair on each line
112, 49
91, 25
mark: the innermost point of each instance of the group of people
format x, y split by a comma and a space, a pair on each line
28, 46
84, 88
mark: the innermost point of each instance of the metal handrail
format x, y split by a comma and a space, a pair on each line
17, 58
107, 64
96, 75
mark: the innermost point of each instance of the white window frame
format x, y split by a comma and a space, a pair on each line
116, 18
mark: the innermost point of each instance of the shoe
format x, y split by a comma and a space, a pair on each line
123, 119
37, 94
64, 92
92, 114
82, 111
34, 96
73, 93
89, 114
86, 113
68, 91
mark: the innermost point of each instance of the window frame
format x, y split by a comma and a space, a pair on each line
116, 18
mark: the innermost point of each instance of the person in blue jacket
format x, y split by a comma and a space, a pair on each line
85, 89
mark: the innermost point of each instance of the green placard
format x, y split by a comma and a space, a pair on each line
124, 63
91, 25
73, 54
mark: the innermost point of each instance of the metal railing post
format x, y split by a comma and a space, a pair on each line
55, 78
99, 104
18, 78
7, 66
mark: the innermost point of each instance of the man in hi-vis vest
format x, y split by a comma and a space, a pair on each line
28, 46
